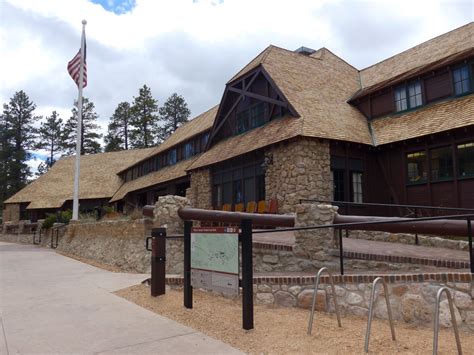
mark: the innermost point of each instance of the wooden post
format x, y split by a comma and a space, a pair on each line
158, 261
247, 274
188, 289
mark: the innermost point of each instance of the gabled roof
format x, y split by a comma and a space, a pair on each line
425, 53
98, 179
168, 173
197, 125
436, 118
317, 87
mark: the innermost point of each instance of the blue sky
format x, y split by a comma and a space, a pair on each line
116, 6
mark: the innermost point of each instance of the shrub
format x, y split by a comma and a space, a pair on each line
49, 221
65, 216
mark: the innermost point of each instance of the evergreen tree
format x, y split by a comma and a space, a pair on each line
173, 114
51, 137
117, 137
17, 138
144, 121
44, 166
89, 137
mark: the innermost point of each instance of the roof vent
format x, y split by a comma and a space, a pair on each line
305, 50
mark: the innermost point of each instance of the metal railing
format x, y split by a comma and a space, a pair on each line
414, 209
371, 311
453, 320
316, 284
342, 226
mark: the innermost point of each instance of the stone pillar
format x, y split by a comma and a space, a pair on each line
314, 244
300, 169
166, 213
11, 212
200, 192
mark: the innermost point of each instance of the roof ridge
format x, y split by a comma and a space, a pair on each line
418, 45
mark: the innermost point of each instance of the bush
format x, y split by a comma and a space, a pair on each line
108, 209
65, 216
49, 221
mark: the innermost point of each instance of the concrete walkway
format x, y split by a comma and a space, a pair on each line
53, 304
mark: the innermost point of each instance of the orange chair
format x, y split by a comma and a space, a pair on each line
239, 207
251, 207
227, 207
273, 207
262, 206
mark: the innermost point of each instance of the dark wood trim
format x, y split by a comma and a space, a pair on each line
259, 97
279, 92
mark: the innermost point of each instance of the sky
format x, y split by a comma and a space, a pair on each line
193, 47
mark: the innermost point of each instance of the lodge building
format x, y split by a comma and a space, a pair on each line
302, 124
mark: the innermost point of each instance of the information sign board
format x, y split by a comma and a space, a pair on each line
215, 259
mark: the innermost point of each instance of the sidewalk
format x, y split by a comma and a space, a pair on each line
53, 304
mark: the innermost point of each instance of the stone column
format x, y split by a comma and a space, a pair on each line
166, 213
314, 244
200, 192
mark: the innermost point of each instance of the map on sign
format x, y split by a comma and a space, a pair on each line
214, 250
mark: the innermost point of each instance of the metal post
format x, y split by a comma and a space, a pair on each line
371, 311
416, 234
188, 289
247, 274
469, 236
316, 284
453, 320
158, 261
341, 252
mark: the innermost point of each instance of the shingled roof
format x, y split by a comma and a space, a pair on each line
440, 47
98, 179
197, 125
436, 118
317, 87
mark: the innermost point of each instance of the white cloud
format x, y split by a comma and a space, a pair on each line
193, 48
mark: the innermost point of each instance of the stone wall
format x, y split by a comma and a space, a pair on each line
426, 240
300, 170
200, 191
410, 302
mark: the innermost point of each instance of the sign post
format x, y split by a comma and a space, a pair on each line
211, 262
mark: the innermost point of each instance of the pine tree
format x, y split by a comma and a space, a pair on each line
89, 138
173, 114
44, 166
118, 130
17, 138
144, 120
51, 137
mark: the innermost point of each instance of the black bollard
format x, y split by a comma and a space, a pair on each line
158, 261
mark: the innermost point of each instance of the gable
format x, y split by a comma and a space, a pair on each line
249, 102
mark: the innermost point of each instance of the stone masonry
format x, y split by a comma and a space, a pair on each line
200, 192
300, 170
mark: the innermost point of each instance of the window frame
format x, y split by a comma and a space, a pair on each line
469, 80
426, 167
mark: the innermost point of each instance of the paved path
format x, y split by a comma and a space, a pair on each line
53, 304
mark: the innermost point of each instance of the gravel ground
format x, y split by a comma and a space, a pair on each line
283, 330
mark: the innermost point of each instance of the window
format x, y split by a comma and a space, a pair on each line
172, 157
257, 115
414, 94
204, 139
416, 167
243, 121
466, 159
338, 184
461, 80
441, 163
401, 99
357, 187
188, 150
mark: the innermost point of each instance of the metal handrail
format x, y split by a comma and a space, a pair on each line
371, 310
373, 204
453, 320
316, 284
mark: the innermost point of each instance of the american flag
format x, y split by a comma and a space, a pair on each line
74, 67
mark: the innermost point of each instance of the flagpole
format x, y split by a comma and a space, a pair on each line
75, 202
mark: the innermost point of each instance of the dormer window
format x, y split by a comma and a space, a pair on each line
172, 157
414, 94
408, 96
461, 80
189, 150
401, 98
250, 118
